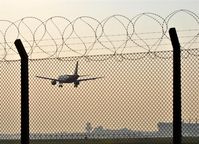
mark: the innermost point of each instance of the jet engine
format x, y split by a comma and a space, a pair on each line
53, 82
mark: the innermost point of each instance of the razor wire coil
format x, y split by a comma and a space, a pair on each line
58, 35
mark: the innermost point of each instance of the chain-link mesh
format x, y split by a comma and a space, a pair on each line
10, 100
190, 91
132, 103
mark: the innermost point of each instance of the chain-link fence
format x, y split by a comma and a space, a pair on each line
132, 103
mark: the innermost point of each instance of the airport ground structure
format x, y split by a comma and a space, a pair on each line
165, 129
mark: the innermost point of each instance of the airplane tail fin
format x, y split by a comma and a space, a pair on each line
76, 69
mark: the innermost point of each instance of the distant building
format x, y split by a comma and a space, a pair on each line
165, 129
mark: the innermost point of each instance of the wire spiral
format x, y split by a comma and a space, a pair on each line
117, 35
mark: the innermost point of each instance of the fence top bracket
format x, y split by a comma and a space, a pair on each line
20, 48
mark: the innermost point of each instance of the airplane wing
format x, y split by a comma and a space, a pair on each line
47, 78
86, 79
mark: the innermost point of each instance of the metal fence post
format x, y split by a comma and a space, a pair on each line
24, 93
177, 123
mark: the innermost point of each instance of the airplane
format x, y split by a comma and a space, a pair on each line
69, 78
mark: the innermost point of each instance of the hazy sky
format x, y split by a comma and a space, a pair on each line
16, 9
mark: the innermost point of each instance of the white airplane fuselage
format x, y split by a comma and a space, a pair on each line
68, 78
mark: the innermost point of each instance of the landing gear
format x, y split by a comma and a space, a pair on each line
76, 83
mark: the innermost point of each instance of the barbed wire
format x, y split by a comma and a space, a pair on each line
85, 36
